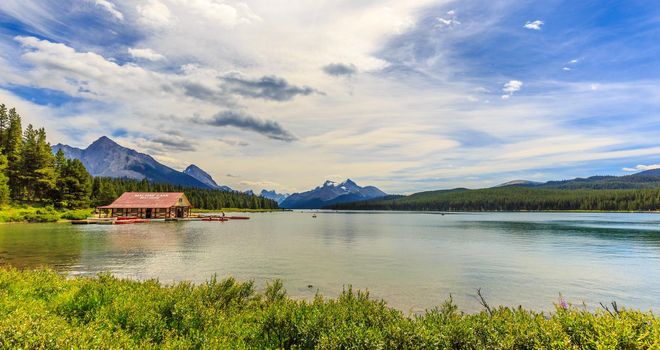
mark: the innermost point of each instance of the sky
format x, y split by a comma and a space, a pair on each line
408, 96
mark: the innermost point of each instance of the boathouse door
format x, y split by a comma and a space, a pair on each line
179, 212
149, 213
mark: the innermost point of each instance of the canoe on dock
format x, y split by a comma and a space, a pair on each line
132, 221
215, 219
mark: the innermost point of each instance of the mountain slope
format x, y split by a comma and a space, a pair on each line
278, 197
204, 177
651, 172
644, 179
331, 193
519, 183
105, 157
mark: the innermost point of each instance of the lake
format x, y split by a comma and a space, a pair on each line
412, 260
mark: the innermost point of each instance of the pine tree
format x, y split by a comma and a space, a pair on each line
38, 175
26, 178
13, 150
60, 161
45, 173
4, 125
4, 187
74, 185
60, 167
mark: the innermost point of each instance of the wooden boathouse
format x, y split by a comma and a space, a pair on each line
148, 205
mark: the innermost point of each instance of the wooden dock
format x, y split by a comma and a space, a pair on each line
114, 221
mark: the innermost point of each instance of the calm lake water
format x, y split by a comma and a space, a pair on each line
412, 260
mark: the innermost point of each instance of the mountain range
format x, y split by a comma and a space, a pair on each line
331, 193
278, 197
204, 177
105, 157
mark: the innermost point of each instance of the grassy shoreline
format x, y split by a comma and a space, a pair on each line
44, 309
48, 214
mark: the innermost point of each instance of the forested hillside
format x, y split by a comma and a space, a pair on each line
517, 199
31, 175
641, 180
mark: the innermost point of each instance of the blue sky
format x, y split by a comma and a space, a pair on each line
408, 96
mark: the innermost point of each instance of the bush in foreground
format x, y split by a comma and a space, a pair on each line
42, 309
41, 214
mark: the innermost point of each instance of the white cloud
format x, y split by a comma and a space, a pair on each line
567, 69
147, 54
449, 21
259, 185
535, 25
110, 8
511, 87
222, 12
154, 13
642, 167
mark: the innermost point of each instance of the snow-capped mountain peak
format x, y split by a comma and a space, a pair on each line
329, 183
330, 193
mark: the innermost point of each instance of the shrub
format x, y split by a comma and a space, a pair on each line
42, 309
41, 214
79, 214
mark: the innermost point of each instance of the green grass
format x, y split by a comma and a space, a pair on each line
42, 309
41, 214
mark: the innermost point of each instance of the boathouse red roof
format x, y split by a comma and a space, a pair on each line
130, 200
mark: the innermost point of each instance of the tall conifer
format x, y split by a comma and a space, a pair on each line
13, 151
4, 125
4, 186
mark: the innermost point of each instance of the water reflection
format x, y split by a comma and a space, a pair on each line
29, 246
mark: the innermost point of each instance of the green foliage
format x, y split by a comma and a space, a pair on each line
41, 214
74, 183
76, 214
517, 199
30, 169
30, 214
105, 190
13, 149
37, 177
4, 181
42, 309
4, 125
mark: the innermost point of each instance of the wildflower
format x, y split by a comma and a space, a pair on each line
562, 302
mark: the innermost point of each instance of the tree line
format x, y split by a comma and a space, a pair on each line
106, 189
516, 199
30, 174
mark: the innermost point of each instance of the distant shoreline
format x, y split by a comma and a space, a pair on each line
491, 211
238, 210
